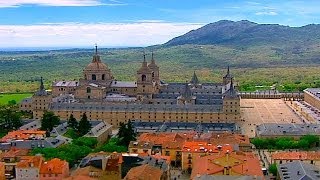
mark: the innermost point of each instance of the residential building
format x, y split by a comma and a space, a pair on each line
100, 165
298, 170
28, 168
232, 164
2, 171
54, 169
145, 172
191, 150
308, 157
10, 159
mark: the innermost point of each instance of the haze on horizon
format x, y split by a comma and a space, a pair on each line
127, 23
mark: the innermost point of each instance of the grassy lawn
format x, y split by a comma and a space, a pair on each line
71, 134
4, 98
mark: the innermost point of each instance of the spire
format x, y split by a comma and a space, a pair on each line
231, 84
194, 79
41, 91
231, 93
152, 59
187, 91
96, 57
228, 72
41, 84
144, 60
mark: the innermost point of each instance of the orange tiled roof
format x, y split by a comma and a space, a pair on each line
14, 152
86, 171
167, 158
201, 147
54, 166
143, 172
23, 135
239, 163
113, 162
30, 161
301, 155
223, 138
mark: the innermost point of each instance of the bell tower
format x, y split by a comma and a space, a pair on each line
145, 83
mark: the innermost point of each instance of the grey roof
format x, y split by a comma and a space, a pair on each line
27, 100
124, 84
298, 170
134, 107
187, 94
289, 129
98, 129
31, 124
183, 127
314, 91
231, 93
65, 84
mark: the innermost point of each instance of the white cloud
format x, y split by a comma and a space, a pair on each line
17, 3
79, 34
268, 13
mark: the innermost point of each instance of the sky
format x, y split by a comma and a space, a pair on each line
123, 23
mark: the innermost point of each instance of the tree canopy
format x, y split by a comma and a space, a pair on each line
72, 122
84, 125
126, 133
48, 121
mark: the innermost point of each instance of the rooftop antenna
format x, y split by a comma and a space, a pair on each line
96, 48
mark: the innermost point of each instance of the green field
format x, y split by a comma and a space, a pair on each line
5, 98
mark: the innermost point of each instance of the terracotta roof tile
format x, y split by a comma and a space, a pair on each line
54, 166
23, 135
239, 163
13, 152
301, 155
30, 161
200, 146
144, 172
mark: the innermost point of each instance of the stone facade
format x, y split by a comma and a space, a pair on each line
149, 99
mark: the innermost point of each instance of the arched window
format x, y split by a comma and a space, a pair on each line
143, 77
94, 77
153, 74
103, 77
88, 90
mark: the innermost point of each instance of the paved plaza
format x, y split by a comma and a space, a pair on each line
258, 111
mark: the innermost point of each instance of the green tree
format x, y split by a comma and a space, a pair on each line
312, 140
10, 118
112, 146
273, 169
48, 121
72, 122
84, 125
86, 141
126, 133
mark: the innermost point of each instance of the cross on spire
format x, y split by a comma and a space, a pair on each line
96, 48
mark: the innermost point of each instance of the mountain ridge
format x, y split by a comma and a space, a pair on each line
247, 33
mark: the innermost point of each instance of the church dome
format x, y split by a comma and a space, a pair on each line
96, 66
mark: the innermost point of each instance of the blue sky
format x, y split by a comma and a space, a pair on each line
75, 23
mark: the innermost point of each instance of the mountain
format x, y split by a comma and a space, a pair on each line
247, 34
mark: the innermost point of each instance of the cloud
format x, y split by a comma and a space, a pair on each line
268, 13
79, 34
17, 3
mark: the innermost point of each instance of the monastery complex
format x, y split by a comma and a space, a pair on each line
148, 99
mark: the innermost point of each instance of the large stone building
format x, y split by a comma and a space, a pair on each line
102, 97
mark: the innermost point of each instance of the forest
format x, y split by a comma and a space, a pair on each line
255, 68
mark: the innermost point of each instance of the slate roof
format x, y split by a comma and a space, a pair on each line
128, 84
298, 170
65, 84
134, 107
273, 129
